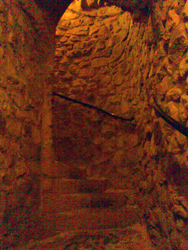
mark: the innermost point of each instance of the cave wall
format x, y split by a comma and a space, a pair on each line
117, 62
95, 66
27, 59
165, 150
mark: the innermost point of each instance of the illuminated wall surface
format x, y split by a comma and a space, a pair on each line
114, 59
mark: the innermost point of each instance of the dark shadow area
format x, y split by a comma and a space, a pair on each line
55, 8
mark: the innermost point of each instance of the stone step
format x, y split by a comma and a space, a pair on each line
88, 219
59, 202
133, 237
72, 186
68, 172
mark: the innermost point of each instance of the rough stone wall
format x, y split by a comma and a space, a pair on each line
164, 161
160, 67
91, 67
117, 62
26, 58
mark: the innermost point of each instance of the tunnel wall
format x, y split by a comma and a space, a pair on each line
26, 57
94, 65
117, 62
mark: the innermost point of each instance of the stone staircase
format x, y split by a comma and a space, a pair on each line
84, 204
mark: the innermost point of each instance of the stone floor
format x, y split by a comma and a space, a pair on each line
133, 237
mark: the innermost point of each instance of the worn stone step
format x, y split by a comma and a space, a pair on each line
68, 172
72, 186
89, 219
59, 202
133, 237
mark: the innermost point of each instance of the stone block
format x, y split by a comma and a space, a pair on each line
184, 101
173, 110
174, 17
117, 52
118, 79
183, 115
5, 103
179, 210
178, 40
87, 72
181, 139
125, 106
185, 10
20, 168
93, 30
79, 31
174, 94
173, 146
183, 67
99, 62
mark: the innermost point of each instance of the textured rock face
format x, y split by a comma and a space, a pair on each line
26, 63
93, 70
108, 59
